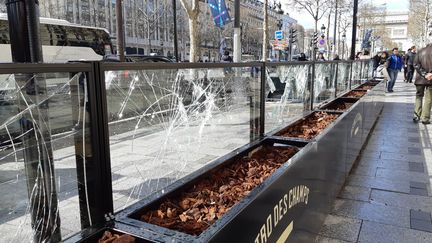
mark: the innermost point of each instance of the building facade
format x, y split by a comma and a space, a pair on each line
149, 24
389, 30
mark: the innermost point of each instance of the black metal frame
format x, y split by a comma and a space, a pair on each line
102, 201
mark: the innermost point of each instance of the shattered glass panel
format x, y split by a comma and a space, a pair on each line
324, 85
42, 126
356, 74
165, 124
286, 94
367, 70
343, 77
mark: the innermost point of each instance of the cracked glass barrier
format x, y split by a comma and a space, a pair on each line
343, 77
356, 74
324, 85
44, 131
287, 94
165, 124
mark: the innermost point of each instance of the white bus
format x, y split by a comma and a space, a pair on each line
62, 41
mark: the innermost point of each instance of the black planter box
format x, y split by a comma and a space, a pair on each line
245, 220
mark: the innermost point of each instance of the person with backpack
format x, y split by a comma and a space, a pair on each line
423, 83
395, 64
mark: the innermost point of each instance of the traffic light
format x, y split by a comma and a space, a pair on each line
293, 35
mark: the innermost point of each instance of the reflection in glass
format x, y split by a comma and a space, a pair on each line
165, 124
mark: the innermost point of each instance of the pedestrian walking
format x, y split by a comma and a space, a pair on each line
410, 64
382, 66
376, 63
423, 83
394, 66
336, 57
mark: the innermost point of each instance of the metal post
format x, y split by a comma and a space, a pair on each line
23, 16
174, 3
335, 27
312, 80
237, 32
354, 31
262, 100
351, 76
120, 31
100, 185
336, 79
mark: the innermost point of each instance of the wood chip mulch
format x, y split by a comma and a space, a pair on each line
355, 94
310, 126
200, 205
109, 237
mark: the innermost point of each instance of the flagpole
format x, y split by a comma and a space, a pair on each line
237, 32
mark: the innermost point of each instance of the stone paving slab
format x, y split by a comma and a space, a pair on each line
388, 192
379, 213
342, 228
376, 232
402, 200
356, 193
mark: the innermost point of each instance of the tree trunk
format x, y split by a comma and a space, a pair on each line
328, 35
193, 37
265, 28
426, 23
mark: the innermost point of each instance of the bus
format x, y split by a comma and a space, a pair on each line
62, 41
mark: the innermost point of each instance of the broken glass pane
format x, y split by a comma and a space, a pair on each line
324, 82
286, 94
343, 77
42, 126
165, 124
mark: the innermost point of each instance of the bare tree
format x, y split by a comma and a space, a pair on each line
316, 8
192, 11
419, 18
265, 31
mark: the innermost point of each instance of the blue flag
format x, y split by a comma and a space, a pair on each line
219, 12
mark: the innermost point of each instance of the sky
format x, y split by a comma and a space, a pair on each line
306, 20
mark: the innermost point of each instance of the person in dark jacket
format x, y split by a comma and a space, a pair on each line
423, 83
376, 63
226, 57
404, 57
410, 64
395, 64
302, 57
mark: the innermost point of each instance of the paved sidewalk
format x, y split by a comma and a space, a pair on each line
387, 197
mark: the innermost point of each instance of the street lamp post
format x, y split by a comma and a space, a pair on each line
335, 27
